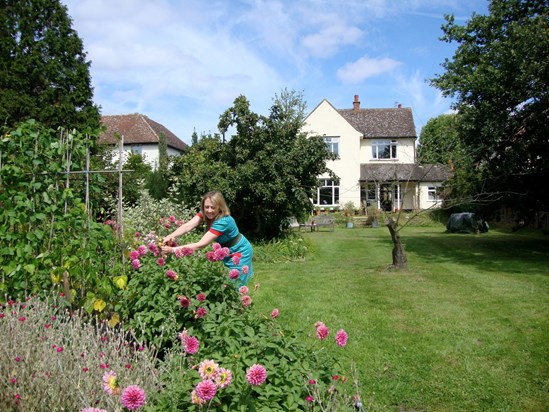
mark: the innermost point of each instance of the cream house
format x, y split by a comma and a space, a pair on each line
141, 135
376, 162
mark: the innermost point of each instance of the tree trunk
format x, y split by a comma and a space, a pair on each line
400, 261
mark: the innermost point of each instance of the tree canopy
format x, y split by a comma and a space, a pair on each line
438, 141
44, 74
268, 171
499, 76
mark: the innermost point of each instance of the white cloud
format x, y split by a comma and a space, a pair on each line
366, 67
328, 41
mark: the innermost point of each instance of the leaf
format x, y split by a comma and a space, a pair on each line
99, 305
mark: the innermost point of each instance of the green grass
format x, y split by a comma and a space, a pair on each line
465, 328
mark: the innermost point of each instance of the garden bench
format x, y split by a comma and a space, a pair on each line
322, 221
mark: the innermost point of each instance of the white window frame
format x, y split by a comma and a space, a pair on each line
332, 143
325, 186
377, 144
434, 194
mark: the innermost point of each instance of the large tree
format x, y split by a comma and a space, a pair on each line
43, 69
268, 171
499, 76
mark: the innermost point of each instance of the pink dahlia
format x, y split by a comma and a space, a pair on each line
234, 274
201, 312
171, 274
207, 369
142, 250
160, 261
184, 301
216, 246
245, 269
196, 400
134, 254
201, 297
341, 338
256, 375
206, 390
223, 378
183, 251
236, 258
136, 263
110, 383
246, 301
191, 344
275, 313
133, 397
322, 330
243, 290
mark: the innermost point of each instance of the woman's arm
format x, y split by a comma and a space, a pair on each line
208, 238
184, 228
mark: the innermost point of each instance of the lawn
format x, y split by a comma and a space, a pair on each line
465, 328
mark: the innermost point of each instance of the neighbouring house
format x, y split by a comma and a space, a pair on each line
140, 135
376, 162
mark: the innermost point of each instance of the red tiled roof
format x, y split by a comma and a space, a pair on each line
137, 129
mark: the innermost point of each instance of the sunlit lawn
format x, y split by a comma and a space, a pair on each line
465, 328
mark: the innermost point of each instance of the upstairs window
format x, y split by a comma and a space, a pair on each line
384, 149
137, 149
332, 143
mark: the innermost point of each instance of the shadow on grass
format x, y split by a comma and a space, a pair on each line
494, 251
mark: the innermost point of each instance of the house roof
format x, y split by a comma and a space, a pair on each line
376, 123
137, 129
404, 172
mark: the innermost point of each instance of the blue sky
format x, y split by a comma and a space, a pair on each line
183, 62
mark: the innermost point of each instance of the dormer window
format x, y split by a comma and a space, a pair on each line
384, 149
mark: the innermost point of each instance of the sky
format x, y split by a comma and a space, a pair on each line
182, 63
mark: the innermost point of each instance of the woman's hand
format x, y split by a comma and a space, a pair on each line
167, 239
166, 250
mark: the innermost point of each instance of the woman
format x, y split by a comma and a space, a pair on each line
220, 228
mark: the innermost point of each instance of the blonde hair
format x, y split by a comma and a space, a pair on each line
219, 201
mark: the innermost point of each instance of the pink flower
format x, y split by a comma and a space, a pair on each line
206, 390
312, 382
309, 399
17, 359
153, 248
201, 312
191, 345
137, 234
171, 274
160, 261
275, 313
207, 369
256, 375
142, 250
133, 397
236, 258
134, 254
93, 410
216, 246
201, 297
59, 349
183, 251
341, 338
22, 319
234, 274
184, 301
223, 378
196, 400
1, 315
136, 263
246, 301
245, 269
243, 290
321, 330
110, 383
172, 219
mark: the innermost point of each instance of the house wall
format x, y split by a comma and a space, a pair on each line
326, 121
406, 151
148, 151
424, 202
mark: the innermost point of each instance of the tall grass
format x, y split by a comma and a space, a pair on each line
465, 328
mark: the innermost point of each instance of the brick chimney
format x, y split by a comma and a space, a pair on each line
356, 104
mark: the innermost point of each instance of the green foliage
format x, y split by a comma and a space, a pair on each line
267, 171
47, 237
499, 75
289, 248
43, 69
439, 142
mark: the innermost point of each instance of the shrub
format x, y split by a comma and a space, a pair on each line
52, 359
